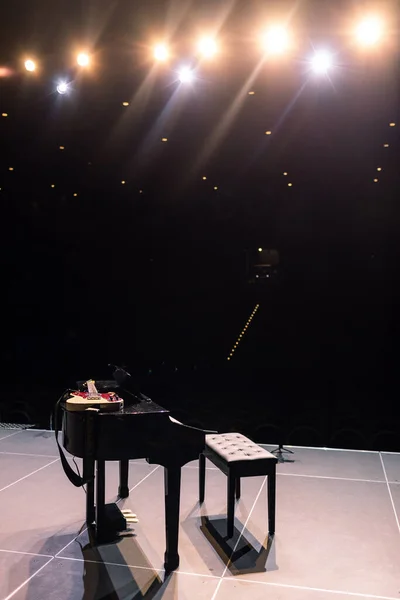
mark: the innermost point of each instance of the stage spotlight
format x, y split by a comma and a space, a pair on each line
62, 87
369, 31
185, 75
321, 61
207, 47
30, 65
161, 52
275, 40
83, 59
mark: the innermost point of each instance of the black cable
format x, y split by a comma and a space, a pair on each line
77, 468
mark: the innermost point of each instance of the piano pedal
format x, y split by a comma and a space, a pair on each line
129, 516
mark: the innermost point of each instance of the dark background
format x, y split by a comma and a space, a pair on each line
152, 274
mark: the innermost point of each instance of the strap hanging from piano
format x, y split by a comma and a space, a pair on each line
74, 478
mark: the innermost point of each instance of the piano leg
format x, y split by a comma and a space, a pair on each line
123, 490
88, 474
172, 487
101, 532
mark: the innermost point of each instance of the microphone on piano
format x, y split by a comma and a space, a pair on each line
120, 375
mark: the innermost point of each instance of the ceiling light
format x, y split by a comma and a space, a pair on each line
62, 87
369, 31
207, 47
161, 52
276, 40
30, 65
83, 59
321, 61
125, 104
185, 75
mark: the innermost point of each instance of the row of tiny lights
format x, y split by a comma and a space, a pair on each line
204, 178
379, 169
236, 344
275, 41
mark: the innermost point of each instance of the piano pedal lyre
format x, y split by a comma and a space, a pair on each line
129, 516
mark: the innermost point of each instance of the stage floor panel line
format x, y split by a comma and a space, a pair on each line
337, 530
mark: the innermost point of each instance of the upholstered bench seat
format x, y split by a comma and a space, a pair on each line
237, 457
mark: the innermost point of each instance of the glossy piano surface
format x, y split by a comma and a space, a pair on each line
142, 429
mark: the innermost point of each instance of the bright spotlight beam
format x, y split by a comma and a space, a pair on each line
207, 47
185, 75
276, 40
62, 87
369, 31
321, 62
161, 52
30, 65
83, 59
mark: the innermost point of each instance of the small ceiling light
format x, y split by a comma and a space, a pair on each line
251, 93
62, 147
123, 182
75, 194
268, 132
164, 139
392, 124
125, 104
369, 31
185, 75
11, 168
207, 47
260, 249
386, 145
140, 191
285, 173
83, 59
204, 178
321, 61
161, 52
52, 185
4, 114
379, 169
290, 184
276, 40
215, 187
30, 65
62, 87
376, 180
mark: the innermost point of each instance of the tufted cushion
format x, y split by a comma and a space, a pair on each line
235, 446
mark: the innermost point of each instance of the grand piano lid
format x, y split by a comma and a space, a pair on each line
143, 407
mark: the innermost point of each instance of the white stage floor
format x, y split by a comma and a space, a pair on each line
337, 530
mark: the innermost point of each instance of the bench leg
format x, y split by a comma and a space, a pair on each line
231, 503
237, 488
271, 502
202, 477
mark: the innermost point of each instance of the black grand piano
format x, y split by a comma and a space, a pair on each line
141, 429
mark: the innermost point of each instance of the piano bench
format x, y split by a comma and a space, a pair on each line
237, 456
